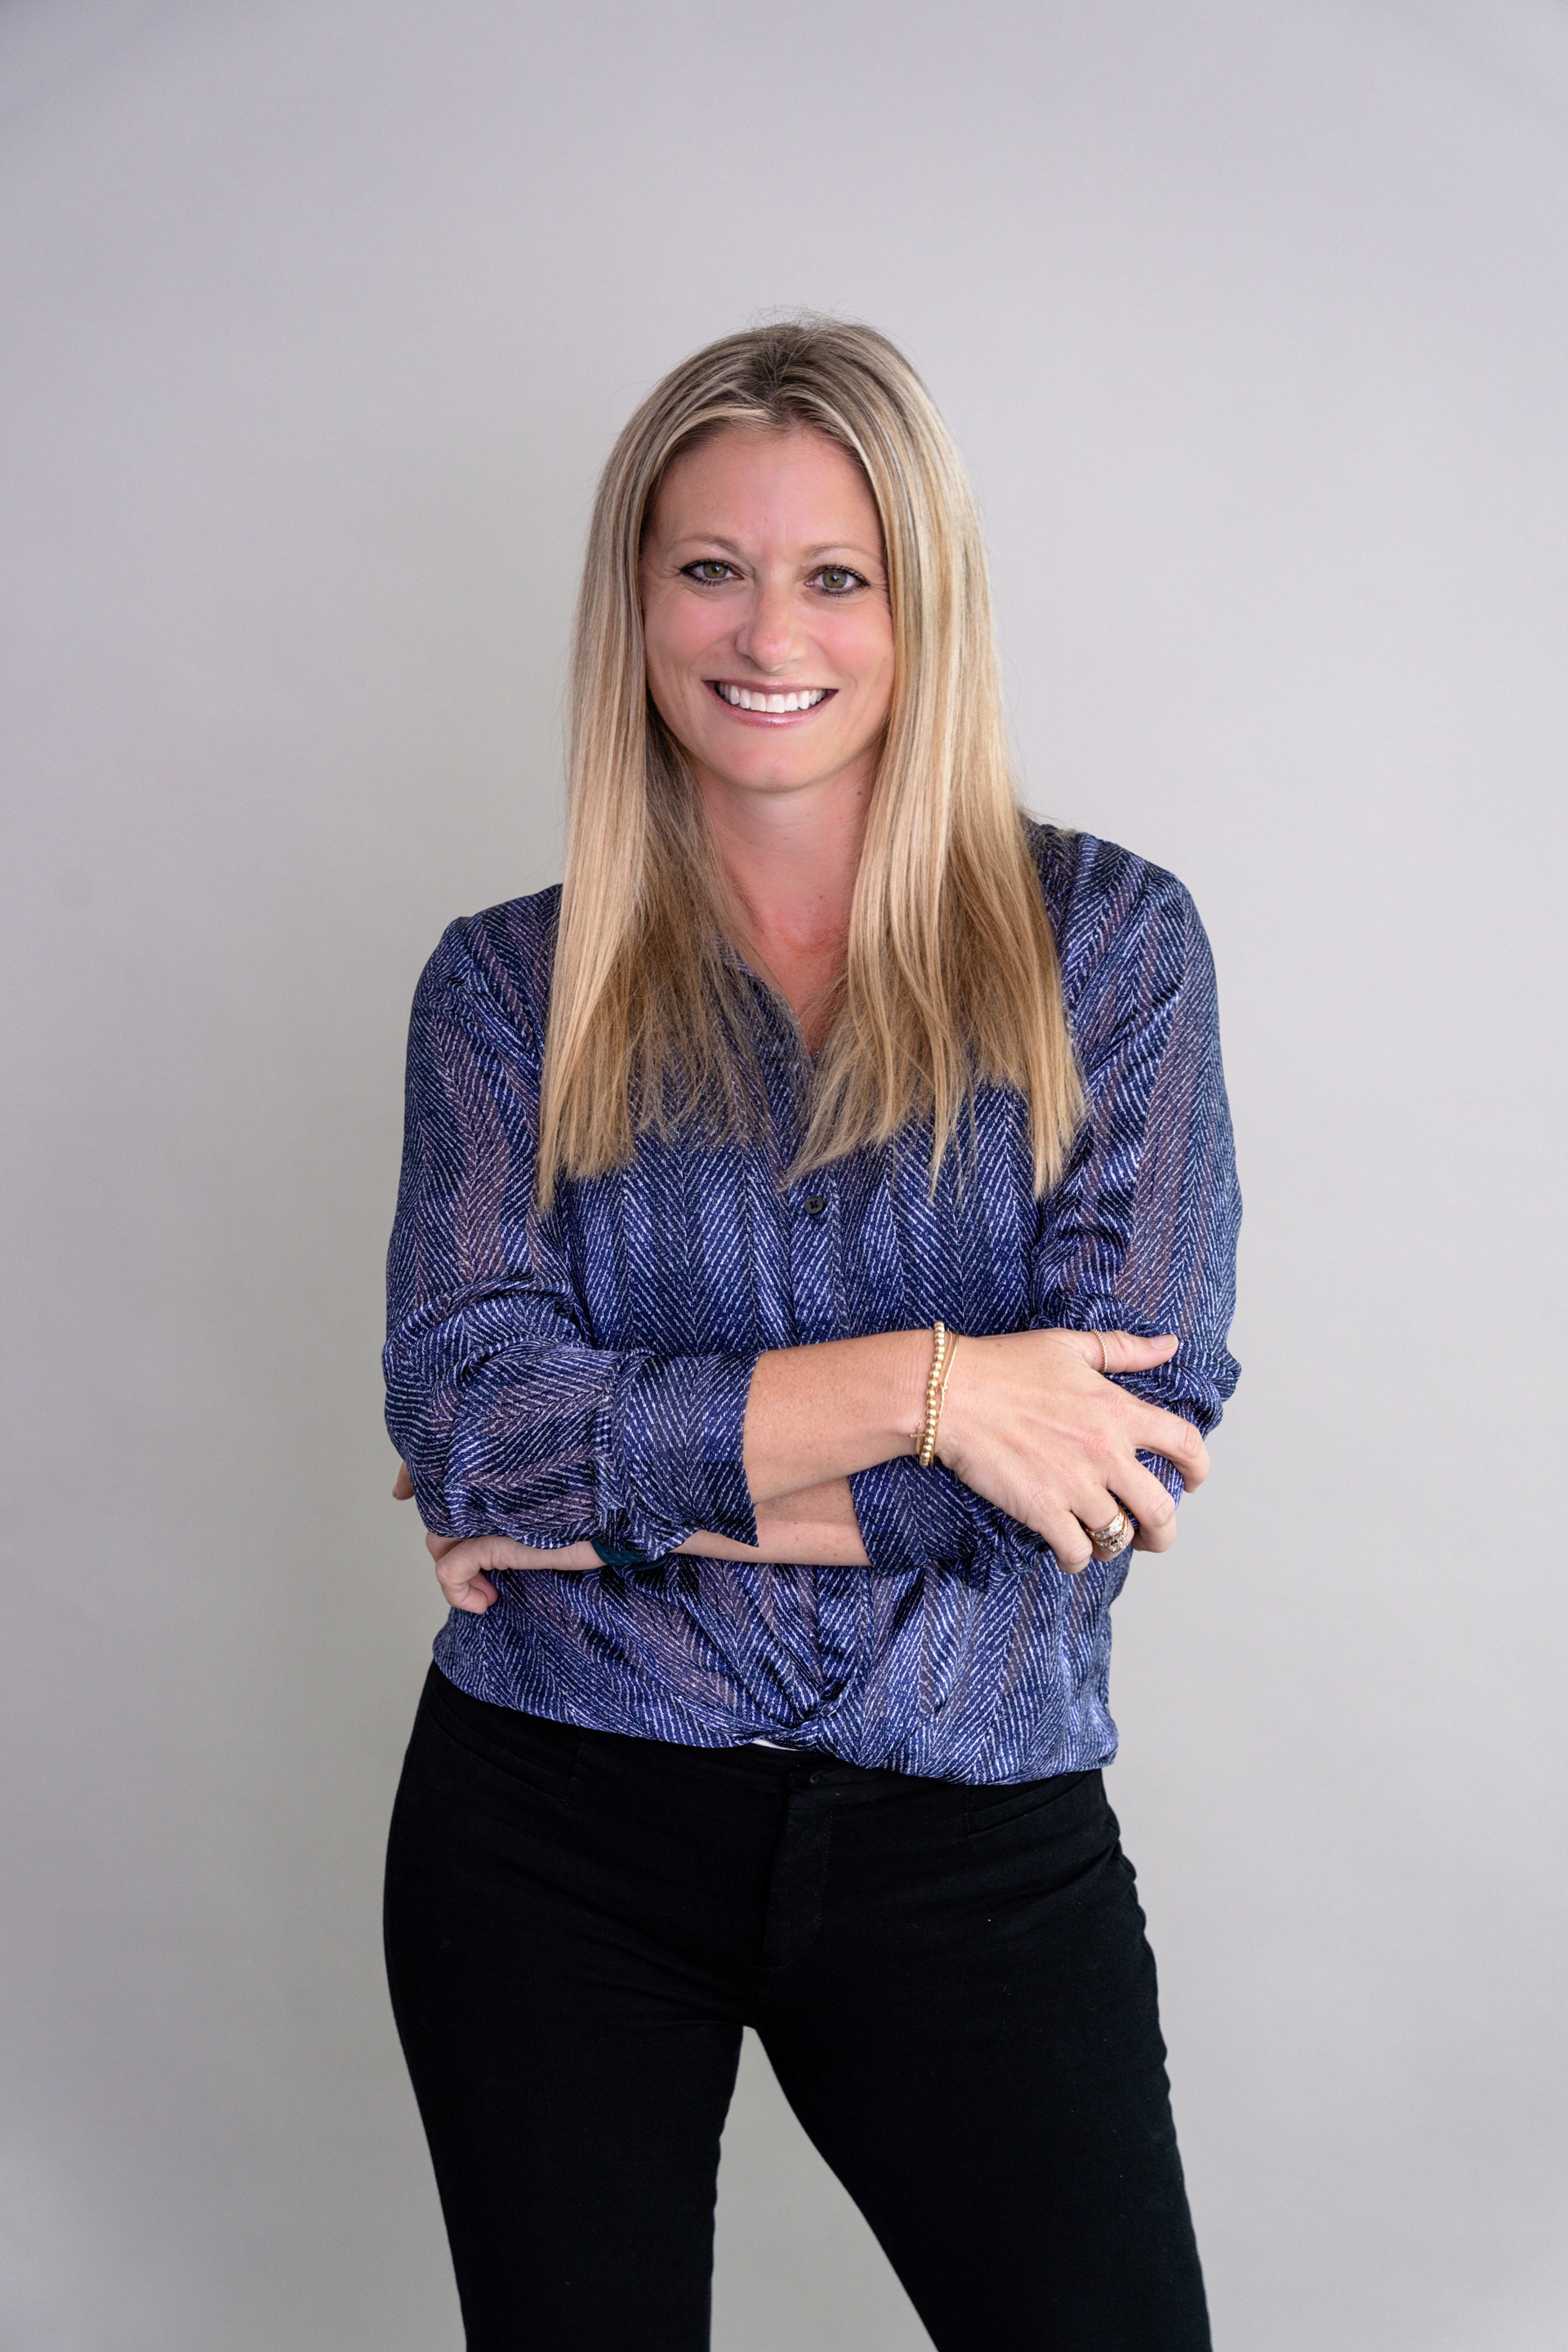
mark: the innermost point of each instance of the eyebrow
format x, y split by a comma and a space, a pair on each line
732, 547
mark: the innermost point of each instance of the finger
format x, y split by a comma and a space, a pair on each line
1155, 1431
467, 1555
1119, 1351
469, 1589
403, 1484
1135, 1490
1068, 1538
503, 1552
460, 1569
1152, 1507
1095, 1507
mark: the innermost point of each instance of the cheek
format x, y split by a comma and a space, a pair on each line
675, 633
862, 646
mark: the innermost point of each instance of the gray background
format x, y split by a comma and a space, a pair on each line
317, 318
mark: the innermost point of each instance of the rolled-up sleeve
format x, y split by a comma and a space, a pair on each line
512, 1422
1141, 1235
911, 1518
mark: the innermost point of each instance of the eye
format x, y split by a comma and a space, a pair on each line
837, 579
709, 571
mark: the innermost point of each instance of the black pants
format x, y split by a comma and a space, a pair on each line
952, 1984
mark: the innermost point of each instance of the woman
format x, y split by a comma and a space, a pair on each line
773, 1689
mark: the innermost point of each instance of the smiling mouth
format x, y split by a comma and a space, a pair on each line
770, 704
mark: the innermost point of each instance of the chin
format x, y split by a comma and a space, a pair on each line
763, 775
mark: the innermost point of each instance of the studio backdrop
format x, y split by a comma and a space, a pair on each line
316, 319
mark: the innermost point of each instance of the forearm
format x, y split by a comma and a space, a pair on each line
815, 1415
815, 1527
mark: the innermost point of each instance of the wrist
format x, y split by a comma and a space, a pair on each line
909, 1368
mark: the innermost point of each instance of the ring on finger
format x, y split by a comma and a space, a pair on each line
1106, 1541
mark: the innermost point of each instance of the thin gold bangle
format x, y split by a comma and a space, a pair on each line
926, 1450
944, 1347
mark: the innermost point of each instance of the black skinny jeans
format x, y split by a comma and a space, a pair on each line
951, 1983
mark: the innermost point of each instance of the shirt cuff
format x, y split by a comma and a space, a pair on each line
674, 1463
622, 1556
914, 1518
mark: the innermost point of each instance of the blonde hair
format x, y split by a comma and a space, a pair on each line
951, 976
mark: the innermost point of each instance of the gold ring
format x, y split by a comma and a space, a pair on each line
1106, 1541
1104, 1356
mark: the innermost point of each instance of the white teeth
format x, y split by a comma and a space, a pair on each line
739, 699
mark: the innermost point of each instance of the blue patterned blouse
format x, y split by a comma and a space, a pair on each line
586, 1377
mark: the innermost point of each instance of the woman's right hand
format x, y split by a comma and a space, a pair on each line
465, 1564
1030, 1423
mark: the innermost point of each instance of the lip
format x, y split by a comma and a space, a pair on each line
769, 718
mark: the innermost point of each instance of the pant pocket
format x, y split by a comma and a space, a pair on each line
530, 1750
989, 1808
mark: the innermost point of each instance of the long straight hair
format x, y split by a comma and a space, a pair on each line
952, 977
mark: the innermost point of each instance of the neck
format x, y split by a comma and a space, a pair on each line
790, 858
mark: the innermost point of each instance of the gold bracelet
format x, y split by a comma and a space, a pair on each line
943, 1349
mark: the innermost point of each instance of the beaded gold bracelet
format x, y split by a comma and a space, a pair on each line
944, 1347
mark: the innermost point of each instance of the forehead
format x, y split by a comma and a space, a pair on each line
747, 482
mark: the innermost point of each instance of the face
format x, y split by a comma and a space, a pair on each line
768, 631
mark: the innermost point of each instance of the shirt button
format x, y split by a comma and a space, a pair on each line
814, 1204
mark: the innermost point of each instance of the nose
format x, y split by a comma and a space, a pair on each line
769, 633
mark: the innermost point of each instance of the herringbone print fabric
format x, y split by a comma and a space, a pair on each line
585, 1376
